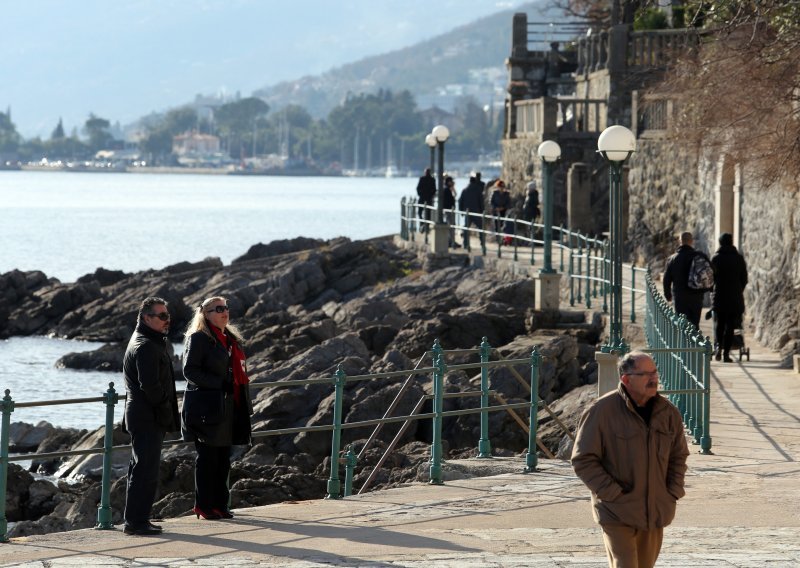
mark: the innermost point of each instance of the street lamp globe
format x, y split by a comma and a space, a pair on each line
616, 143
441, 133
430, 140
549, 151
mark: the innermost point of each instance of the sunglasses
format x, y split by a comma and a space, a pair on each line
218, 309
163, 316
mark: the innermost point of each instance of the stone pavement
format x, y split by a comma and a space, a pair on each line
742, 508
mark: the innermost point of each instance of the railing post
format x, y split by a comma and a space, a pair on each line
110, 399
606, 264
403, 220
705, 441
438, 403
334, 484
533, 244
580, 266
571, 272
482, 234
531, 460
465, 235
484, 445
350, 459
633, 294
588, 275
561, 248
7, 406
516, 256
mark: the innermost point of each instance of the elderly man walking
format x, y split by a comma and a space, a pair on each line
630, 451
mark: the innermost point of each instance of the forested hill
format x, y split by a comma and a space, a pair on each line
422, 68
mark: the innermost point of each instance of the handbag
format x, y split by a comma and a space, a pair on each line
203, 407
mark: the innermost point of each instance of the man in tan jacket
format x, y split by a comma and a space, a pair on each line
630, 451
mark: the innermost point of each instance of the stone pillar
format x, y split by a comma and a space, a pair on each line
737, 207
723, 200
579, 191
519, 35
547, 291
607, 373
440, 238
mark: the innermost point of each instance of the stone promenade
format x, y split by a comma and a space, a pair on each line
742, 508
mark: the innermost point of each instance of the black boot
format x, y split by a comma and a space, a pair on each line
727, 358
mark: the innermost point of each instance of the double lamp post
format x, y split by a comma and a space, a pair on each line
441, 232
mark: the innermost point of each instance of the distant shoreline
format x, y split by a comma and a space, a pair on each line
167, 170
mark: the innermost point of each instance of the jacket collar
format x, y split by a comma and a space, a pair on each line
150, 333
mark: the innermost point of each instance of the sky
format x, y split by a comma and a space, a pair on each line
123, 59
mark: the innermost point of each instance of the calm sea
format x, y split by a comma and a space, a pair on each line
68, 224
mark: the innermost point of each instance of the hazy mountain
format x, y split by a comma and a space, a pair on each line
122, 60
468, 60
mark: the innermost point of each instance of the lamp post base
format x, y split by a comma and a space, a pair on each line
547, 290
441, 238
607, 373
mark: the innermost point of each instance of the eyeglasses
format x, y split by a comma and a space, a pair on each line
163, 316
218, 309
645, 373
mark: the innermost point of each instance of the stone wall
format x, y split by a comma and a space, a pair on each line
673, 189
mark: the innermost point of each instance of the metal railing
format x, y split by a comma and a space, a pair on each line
584, 259
348, 459
683, 358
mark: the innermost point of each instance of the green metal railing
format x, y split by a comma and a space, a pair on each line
683, 358
584, 259
348, 458
682, 354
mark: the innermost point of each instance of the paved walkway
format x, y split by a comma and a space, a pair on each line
742, 508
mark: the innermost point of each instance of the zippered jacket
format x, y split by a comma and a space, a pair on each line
634, 471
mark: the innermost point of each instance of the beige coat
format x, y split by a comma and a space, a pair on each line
635, 472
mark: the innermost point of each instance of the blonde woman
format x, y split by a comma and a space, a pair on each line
217, 405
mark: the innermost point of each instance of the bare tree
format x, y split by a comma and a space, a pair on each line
739, 92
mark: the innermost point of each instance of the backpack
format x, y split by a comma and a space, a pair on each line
701, 274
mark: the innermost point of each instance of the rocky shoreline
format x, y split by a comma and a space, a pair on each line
305, 306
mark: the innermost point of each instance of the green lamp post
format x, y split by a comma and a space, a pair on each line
549, 151
616, 144
430, 140
440, 133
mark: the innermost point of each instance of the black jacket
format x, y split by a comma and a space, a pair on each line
472, 198
676, 277
206, 365
426, 189
152, 404
730, 279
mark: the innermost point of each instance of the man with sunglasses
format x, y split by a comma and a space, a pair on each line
151, 410
630, 451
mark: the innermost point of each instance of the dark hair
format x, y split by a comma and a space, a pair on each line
148, 303
726, 240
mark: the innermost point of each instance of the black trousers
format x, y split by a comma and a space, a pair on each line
142, 476
726, 322
211, 469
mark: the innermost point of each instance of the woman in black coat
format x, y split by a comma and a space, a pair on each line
730, 279
217, 405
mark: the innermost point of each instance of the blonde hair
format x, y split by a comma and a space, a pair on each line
200, 323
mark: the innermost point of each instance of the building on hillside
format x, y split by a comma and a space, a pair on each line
194, 149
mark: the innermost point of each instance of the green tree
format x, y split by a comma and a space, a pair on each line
96, 129
237, 123
9, 138
58, 131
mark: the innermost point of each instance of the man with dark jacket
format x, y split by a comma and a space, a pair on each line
151, 410
676, 277
426, 190
630, 451
471, 202
730, 279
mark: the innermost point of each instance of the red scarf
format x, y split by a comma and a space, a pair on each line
237, 362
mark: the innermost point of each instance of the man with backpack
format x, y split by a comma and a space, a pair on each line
687, 276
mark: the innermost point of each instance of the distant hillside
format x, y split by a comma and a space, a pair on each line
423, 68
